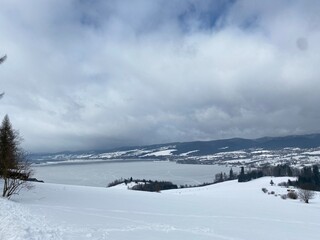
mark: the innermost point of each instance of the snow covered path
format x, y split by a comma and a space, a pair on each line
226, 211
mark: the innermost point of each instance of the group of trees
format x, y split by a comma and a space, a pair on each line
309, 175
221, 177
308, 178
154, 186
281, 170
14, 169
248, 176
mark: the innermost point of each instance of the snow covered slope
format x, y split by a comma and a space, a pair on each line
180, 150
229, 210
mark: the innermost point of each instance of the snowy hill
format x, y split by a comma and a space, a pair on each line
229, 210
298, 150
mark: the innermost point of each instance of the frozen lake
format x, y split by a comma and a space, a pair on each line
101, 173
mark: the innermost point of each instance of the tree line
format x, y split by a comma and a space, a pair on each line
307, 178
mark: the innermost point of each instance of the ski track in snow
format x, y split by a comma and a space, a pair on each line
33, 227
28, 226
74, 212
135, 225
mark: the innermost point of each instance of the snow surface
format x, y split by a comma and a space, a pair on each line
260, 151
167, 152
187, 153
312, 153
230, 153
241, 160
225, 211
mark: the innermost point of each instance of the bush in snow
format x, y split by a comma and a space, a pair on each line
305, 195
284, 196
264, 190
292, 195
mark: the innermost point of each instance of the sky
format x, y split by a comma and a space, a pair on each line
83, 75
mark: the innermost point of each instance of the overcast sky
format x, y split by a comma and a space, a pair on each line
101, 74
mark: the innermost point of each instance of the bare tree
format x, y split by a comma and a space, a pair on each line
16, 180
305, 195
2, 59
14, 168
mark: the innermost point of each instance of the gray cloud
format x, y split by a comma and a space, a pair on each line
92, 75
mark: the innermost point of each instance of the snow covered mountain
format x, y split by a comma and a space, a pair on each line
302, 148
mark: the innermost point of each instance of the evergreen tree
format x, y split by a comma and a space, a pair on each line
231, 175
290, 174
13, 167
9, 141
242, 177
316, 175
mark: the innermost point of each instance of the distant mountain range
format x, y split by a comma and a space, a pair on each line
186, 149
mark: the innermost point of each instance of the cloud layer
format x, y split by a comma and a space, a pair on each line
101, 74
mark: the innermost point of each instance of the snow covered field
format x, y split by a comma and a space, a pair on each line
226, 211
100, 174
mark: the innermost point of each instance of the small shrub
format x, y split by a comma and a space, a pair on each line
264, 190
305, 195
292, 195
272, 192
283, 184
284, 196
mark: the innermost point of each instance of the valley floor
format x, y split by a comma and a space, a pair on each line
226, 211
